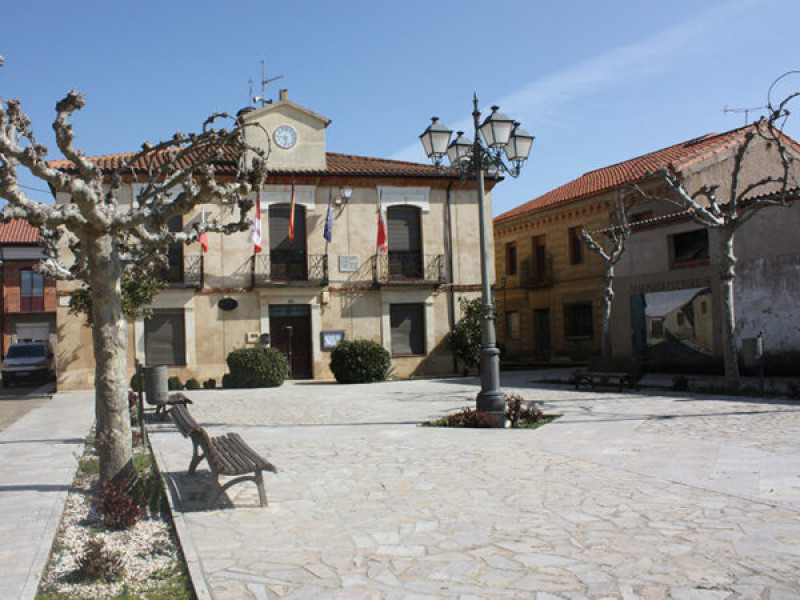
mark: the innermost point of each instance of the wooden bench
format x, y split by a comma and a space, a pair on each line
226, 455
625, 371
172, 400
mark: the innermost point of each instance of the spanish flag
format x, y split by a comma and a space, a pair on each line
291, 217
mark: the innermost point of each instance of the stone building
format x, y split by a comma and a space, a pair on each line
309, 293
667, 286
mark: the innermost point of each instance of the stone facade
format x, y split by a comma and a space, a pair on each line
229, 297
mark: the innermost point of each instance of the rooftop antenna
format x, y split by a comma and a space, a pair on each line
746, 111
264, 81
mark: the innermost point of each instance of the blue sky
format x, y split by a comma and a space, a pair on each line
596, 82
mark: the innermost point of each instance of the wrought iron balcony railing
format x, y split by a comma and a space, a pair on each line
404, 268
281, 267
188, 273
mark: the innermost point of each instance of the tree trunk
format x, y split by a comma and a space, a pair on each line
727, 277
608, 299
110, 341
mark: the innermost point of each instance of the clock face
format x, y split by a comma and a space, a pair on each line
285, 136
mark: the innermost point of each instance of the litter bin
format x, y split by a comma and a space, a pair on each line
155, 381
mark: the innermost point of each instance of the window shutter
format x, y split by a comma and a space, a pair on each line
164, 338
279, 227
404, 229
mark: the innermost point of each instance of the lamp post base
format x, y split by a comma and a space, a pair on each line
491, 400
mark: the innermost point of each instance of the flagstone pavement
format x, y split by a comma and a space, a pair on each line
628, 495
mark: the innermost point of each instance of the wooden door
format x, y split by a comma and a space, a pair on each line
290, 332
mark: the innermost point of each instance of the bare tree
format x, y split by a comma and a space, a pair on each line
610, 251
104, 234
751, 190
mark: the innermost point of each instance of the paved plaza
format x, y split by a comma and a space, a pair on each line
628, 495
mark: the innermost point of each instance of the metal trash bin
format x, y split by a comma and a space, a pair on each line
155, 381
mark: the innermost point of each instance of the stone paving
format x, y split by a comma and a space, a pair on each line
38, 458
626, 496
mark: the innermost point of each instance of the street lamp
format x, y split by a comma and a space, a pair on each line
470, 158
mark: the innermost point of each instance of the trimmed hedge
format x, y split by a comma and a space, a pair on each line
255, 367
360, 361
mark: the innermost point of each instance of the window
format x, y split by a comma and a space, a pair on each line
657, 328
287, 259
575, 246
681, 319
511, 258
407, 329
512, 325
539, 245
405, 242
31, 291
164, 337
689, 249
174, 272
578, 320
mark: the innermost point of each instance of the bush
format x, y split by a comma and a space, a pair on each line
135, 382
465, 339
210, 384
256, 367
360, 361
115, 505
98, 563
174, 383
192, 384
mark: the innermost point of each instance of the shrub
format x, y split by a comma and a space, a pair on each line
149, 491
192, 384
96, 562
465, 418
210, 384
135, 382
360, 361
174, 383
256, 367
465, 339
519, 414
115, 505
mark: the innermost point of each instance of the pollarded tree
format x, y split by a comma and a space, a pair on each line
753, 187
105, 235
610, 250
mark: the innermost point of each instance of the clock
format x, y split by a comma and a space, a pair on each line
285, 136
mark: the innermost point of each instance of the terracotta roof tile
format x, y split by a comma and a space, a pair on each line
676, 157
18, 232
337, 164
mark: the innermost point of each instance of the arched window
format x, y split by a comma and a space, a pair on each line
405, 242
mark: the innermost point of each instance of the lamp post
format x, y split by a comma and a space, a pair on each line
470, 158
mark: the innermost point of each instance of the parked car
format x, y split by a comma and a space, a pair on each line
28, 361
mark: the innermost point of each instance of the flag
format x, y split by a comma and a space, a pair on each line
328, 233
255, 232
383, 241
203, 239
291, 217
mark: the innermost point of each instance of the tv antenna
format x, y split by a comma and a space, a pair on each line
746, 111
264, 82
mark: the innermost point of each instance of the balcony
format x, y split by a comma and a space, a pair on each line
289, 267
187, 272
536, 273
408, 268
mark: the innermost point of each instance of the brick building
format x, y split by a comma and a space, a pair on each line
28, 308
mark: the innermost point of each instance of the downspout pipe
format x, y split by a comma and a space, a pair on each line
451, 313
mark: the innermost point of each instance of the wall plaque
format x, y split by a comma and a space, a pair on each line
348, 264
227, 304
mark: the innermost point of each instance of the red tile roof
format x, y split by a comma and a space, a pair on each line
18, 232
676, 158
337, 164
